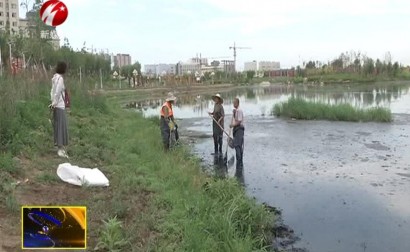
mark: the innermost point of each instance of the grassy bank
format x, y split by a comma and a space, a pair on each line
156, 201
345, 77
299, 108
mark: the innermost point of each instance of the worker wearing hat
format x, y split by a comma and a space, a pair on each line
167, 121
218, 124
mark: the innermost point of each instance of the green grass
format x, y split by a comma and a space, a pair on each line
48, 178
12, 204
158, 199
299, 108
188, 217
112, 236
7, 164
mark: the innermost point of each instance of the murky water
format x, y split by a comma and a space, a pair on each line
342, 186
260, 100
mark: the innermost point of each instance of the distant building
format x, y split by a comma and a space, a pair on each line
24, 27
251, 66
150, 69
200, 60
10, 21
228, 66
159, 69
268, 66
122, 60
188, 68
281, 73
194, 66
210, 69
9, 15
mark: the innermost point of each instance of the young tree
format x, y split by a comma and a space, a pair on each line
368, 67
396, 68
250, 75
311, 65
379, 67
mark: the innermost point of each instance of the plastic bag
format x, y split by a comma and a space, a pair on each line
81, 176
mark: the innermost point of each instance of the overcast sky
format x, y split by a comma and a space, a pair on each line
290, 32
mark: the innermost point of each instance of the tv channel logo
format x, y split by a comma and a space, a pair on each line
53, 12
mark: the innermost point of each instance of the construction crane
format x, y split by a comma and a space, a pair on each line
234, 47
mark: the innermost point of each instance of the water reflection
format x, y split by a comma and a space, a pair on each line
239, 176
221, 169
260, 100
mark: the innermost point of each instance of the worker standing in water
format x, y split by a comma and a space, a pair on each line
218, 123
167, 121
238, 133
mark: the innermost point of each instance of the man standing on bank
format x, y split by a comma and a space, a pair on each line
167, 121
238, 133
218, 124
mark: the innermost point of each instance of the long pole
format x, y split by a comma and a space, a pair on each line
1, 65
101, 79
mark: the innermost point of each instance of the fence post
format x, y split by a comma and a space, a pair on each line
80, 75
101, 79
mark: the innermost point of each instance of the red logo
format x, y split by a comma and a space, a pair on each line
53, 12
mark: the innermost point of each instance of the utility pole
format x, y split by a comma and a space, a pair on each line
10, 53
1, 65
24, 61
101, 79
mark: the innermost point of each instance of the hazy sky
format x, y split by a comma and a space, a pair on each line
290, 32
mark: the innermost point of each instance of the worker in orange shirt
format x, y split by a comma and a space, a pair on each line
167, 122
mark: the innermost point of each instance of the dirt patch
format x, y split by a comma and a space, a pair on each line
52, 194
9, 233
34, 193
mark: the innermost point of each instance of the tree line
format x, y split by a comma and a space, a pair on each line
354, 62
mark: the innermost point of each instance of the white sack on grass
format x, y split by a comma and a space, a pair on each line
81, 176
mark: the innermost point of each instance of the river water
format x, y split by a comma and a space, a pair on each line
341, 186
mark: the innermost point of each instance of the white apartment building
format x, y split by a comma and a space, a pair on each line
251, 66
150, 69
9, 15
188, 68
159, 69
268, 65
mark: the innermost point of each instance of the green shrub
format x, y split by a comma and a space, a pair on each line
299, 108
